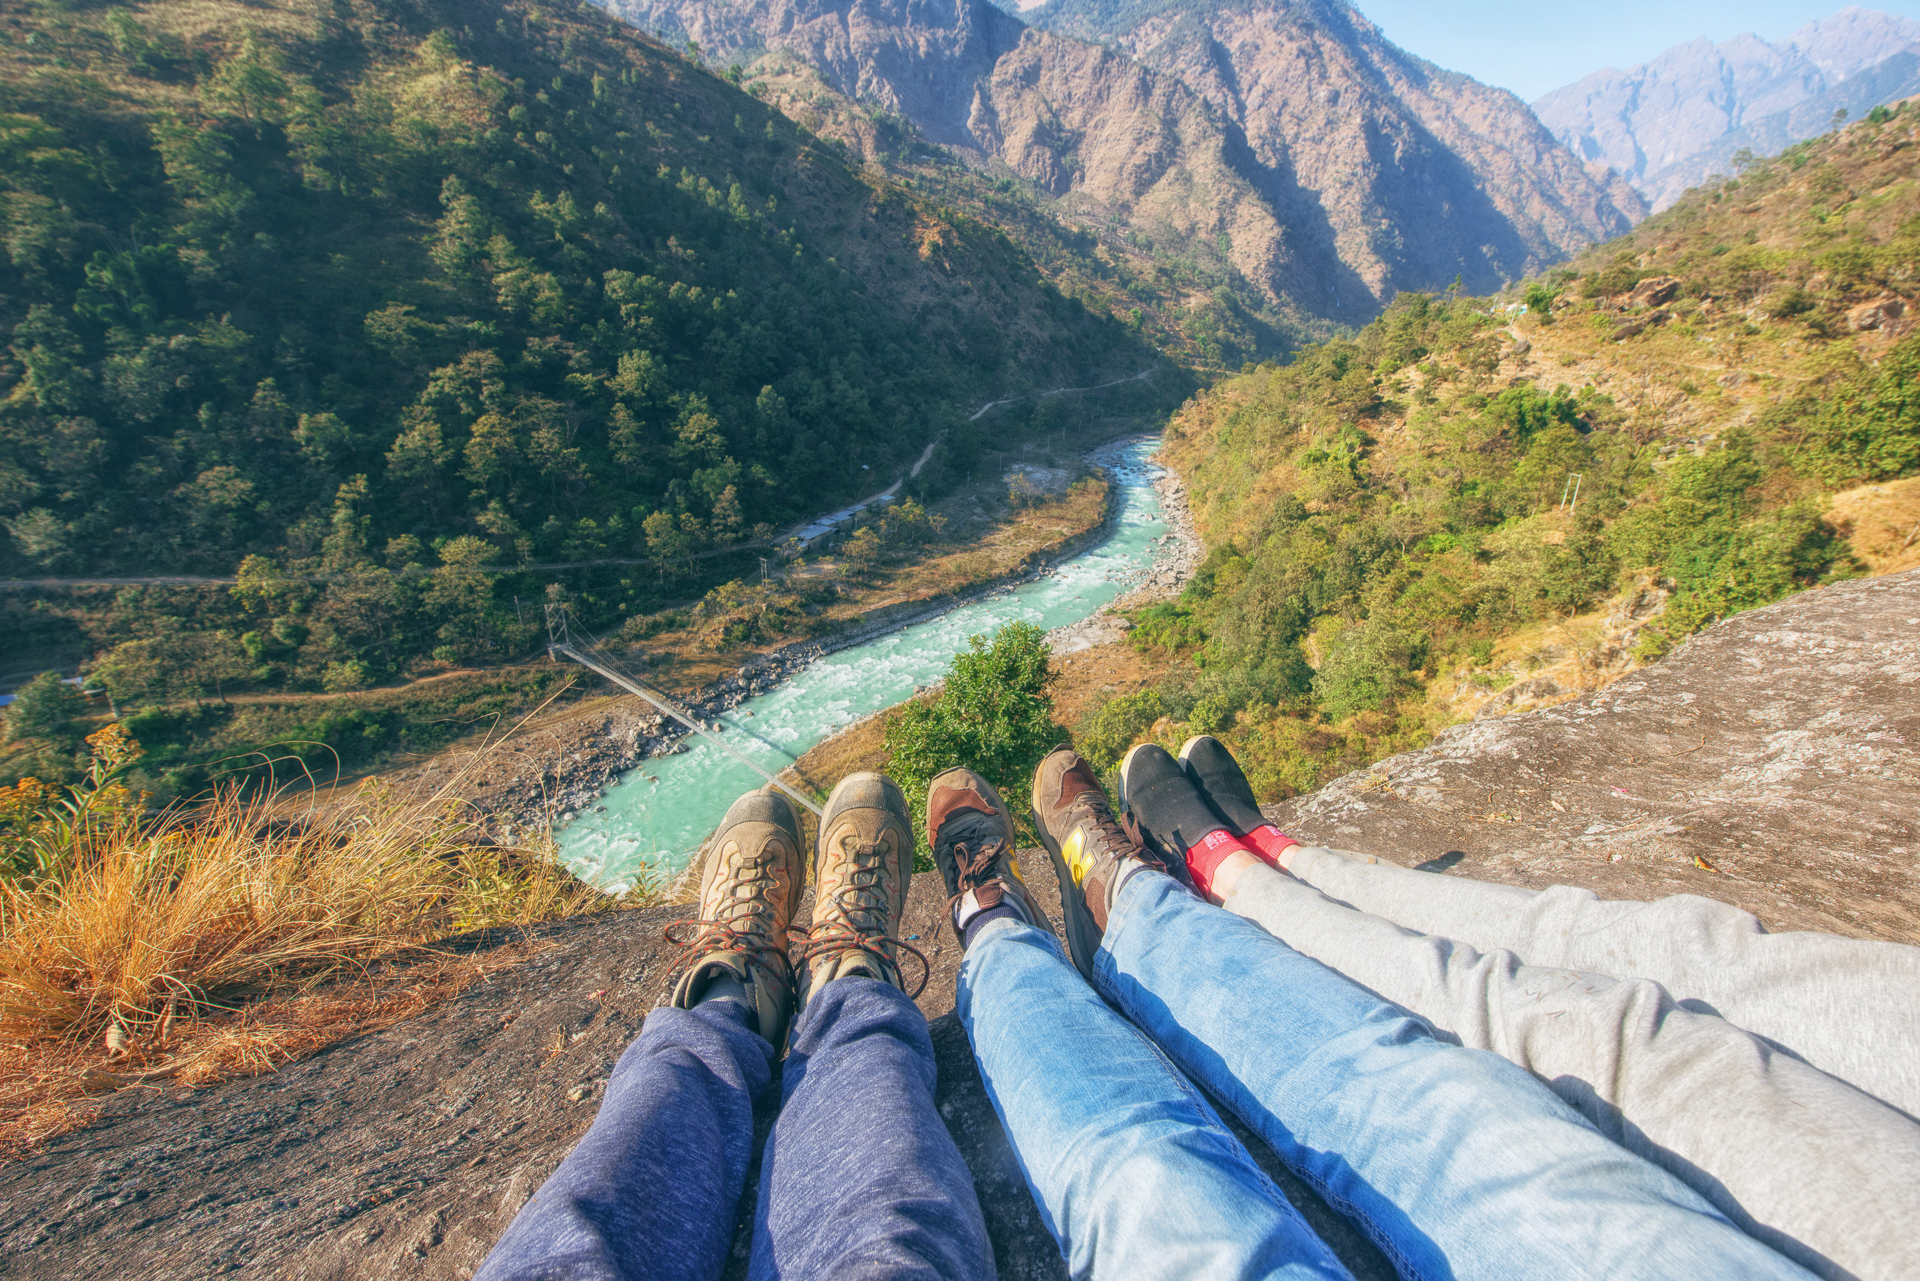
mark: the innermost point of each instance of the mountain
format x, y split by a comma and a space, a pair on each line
312, 280
1324, 167
1670, 123
1468, 508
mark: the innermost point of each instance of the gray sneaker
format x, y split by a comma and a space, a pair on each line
860, 879
749, 891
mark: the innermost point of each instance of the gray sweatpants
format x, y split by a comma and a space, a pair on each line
1665, 1024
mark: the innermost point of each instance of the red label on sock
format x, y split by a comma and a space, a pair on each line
1205, 856
1268, 841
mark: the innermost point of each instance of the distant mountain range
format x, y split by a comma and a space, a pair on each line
1328, 167
1666, 125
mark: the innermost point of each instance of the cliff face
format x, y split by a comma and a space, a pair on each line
1667, 124
1410, 174
1325, 165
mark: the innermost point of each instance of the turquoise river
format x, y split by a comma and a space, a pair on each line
655, 819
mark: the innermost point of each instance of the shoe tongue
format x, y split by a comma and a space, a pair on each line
1076, 782
971, 827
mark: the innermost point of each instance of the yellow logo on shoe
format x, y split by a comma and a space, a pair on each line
1075, 853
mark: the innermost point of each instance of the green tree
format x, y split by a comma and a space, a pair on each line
45, 708
994, 716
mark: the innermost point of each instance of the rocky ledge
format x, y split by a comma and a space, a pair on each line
1770, 762
1773, 761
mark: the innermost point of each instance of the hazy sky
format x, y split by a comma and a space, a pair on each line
1532, 48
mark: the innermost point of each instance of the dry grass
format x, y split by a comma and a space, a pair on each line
208, 907
1882, 524
225, 938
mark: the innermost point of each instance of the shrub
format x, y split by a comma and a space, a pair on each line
44, 708
1366, 667
341, 677
994, 716
1115, 724
1869, 429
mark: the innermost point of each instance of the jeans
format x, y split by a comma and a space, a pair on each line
1806, 1163
859, 1178
1457, 1163
1135, 1176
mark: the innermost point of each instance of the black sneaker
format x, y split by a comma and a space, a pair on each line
1163, 808
1092, 855
971, 832
1218, 776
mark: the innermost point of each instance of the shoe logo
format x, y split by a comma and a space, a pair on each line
1074, 853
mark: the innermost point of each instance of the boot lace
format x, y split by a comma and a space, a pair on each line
857, 920
739, 924
1092, 808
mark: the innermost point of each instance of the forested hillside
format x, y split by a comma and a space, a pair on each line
350, 284
1448, 506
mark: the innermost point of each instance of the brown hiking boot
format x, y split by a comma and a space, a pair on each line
971, 832
1092, 854
860, 886
748, 892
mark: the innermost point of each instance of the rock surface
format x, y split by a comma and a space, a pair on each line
1336, 169
1772, 762
406, 1152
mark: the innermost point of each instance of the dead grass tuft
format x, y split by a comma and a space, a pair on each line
203, 909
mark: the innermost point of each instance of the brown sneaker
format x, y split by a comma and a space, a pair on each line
1092, 855
748, 892
971, 832
860, 886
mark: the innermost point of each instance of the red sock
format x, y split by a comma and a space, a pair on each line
1268, 842
1208, 853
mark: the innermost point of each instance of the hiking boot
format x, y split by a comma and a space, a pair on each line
1092, 854
860, 886
1218, 776
748, 892
971, 832
1171, 818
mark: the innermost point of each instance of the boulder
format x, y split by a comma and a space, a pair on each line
1876, 314
1654, 292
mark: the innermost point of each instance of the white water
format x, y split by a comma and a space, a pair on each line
657, 817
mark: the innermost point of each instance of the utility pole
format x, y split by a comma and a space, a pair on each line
1570, 492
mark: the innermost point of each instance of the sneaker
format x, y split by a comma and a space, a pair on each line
1092, 855
1171, 817
1218, 776
749, 889
971, 832
860, 886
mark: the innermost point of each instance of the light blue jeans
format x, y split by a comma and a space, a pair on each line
1457, 1163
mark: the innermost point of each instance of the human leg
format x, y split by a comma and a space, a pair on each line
1803, 1162
1135, 1175
860, 1176
1456, 1162
1849, 1007
653, 1188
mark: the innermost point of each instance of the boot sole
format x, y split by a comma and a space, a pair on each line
1235, 824
993, 794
